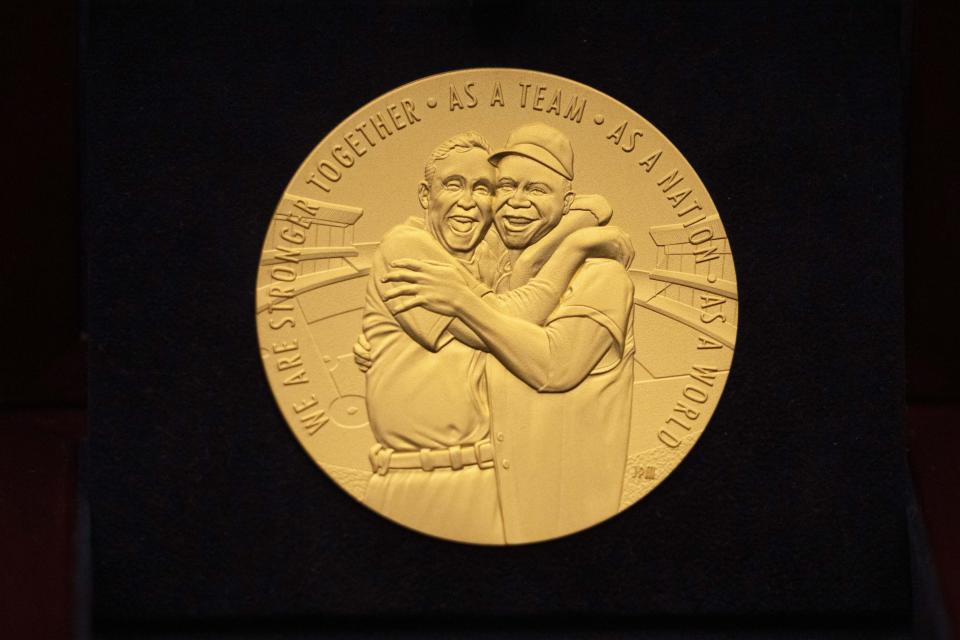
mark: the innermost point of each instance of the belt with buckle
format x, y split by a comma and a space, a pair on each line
383, 458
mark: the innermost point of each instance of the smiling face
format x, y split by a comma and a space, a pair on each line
458, 200
530, 200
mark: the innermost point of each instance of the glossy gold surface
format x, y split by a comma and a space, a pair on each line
496, 306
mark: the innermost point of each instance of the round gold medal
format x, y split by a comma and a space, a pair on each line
496, 306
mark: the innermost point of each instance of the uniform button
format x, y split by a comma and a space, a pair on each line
500, 437
505, 464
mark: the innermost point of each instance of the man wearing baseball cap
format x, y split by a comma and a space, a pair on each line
560, 394
528, 240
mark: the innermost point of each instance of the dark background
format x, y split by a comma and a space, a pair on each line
792, 512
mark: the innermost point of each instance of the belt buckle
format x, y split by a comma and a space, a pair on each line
483, 449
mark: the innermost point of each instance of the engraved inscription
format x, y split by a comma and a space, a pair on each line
311, 417
290, 363
469, 100
355, 144
538, 97
640, 472
624, 138
688, 410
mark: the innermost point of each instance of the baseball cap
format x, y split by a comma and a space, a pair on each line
542, 143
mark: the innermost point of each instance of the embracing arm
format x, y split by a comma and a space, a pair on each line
553, 358
556, 357
532, 303
535, 300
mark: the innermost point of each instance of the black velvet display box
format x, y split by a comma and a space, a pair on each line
204, 508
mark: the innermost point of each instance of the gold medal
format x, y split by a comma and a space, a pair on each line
496, 306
